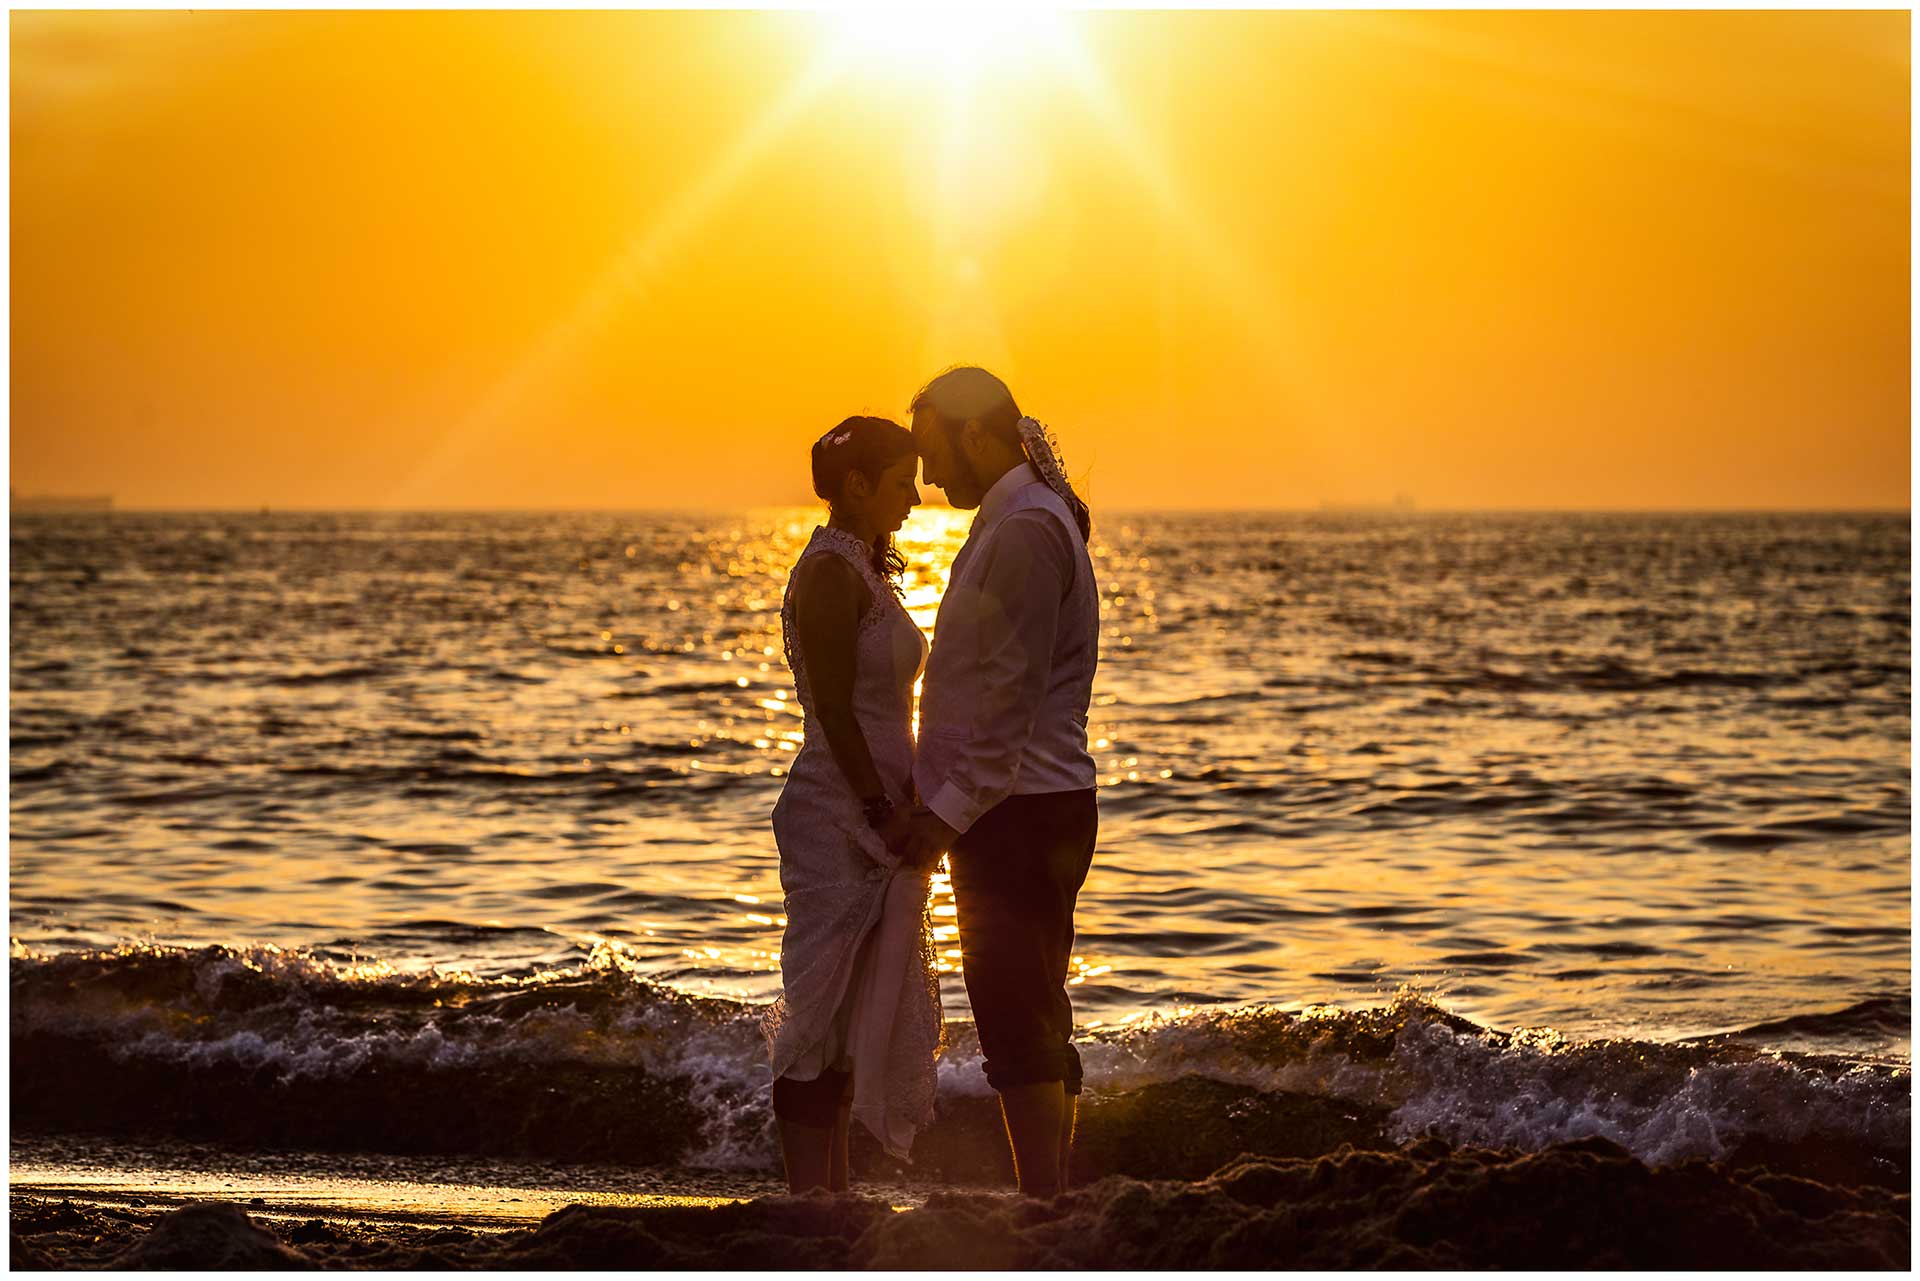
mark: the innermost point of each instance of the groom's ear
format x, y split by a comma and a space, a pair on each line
970, 437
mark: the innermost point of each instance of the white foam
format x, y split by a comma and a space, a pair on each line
1468, 1088
1663, 1103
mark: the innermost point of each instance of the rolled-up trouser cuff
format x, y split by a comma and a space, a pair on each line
1036, 1069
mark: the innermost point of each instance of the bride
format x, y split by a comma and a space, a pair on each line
856, 1030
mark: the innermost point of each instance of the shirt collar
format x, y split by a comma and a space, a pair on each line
1003, 490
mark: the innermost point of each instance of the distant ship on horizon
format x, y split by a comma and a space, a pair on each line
59, 502
1400, 503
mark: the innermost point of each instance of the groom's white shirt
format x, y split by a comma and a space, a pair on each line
1003, 709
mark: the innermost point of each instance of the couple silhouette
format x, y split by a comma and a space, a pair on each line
999, 781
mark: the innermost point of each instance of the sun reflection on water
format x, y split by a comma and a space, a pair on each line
765, 715
755, 561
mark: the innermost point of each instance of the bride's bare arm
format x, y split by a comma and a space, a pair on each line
829, 599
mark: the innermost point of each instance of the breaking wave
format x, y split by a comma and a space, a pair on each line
268, 1047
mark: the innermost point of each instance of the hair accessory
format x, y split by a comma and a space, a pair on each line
830, 439
1045, 457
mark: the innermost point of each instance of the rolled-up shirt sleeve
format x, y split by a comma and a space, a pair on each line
1025, 569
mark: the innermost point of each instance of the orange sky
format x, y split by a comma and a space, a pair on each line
639, 260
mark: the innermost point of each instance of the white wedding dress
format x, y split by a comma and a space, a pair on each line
856, 961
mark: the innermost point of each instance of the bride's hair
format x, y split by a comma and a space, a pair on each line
869, 446
967, 392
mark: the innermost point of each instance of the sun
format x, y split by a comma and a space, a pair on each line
949, 42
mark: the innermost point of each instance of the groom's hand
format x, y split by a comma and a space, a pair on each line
927, 838
893, 834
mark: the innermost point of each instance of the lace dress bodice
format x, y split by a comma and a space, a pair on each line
889, 654
856, 962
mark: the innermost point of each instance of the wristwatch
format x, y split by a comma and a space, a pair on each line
878, 810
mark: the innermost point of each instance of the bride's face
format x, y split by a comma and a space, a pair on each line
894, 495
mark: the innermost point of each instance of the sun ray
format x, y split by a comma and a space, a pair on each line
1267, 323
962, 322
1617, 97
647, 254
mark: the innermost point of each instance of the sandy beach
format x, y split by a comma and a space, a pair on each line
1586, 1205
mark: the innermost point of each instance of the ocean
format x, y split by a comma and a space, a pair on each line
353, 830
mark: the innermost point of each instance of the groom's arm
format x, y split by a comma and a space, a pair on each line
1026, 568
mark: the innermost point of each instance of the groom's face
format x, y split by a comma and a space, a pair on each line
944, 464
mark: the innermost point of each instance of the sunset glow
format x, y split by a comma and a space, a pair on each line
390, 259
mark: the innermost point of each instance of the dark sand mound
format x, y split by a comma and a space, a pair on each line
210, 1235
1579, 1205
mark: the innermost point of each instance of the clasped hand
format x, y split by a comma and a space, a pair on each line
917, 837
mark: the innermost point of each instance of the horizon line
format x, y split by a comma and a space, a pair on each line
1337, 509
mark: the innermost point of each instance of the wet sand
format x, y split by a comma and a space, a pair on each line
1578, 1205
479, 1193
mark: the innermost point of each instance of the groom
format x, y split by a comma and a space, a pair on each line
1002, 767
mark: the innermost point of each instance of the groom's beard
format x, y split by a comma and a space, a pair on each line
976, 489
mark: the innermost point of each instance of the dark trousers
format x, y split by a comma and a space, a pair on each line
1016, 873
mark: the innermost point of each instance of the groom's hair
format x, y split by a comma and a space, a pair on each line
969, 393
